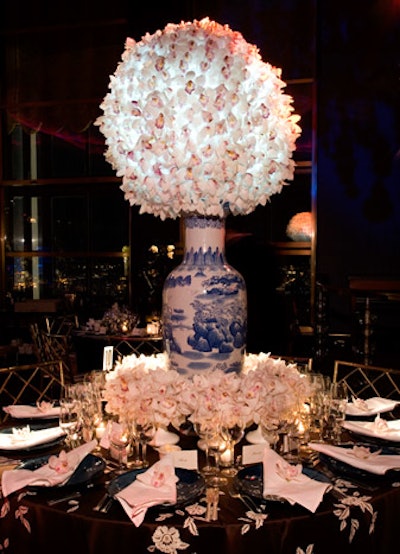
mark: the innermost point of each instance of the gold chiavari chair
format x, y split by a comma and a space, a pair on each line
61, 325
366, 381
49, 347
31, 383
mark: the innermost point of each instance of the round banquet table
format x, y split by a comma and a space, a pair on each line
364, 521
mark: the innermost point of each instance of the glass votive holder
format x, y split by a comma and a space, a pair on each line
227, 457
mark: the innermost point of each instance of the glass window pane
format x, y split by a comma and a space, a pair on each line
69, 216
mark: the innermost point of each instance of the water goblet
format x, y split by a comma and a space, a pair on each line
69, 421
232, 432
120, 441
143, 431
202, 428
216, 444
336, 412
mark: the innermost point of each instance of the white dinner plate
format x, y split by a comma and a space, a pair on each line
373, 406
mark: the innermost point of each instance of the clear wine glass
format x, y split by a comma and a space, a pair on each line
232, 432
336, 412
202, 428
120, 442
143, 431
69, 421
216, 444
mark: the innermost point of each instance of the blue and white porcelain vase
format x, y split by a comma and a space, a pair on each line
204, 312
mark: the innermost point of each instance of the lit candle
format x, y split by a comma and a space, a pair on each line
100, 430
227, 456
151, 329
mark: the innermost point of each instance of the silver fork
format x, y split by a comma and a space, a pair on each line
247, 501
101, 503
107, 505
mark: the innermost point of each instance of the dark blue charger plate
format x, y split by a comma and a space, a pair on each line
249, 480
189, 487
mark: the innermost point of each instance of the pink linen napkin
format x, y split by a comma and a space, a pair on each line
286, 481
25, 437
19, 411
371, 406
155, 486
380, 428
56, 472
360, 457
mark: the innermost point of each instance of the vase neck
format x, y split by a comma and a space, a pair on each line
204, 234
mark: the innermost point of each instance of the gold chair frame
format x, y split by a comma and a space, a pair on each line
52, 347
31, 383
365, 381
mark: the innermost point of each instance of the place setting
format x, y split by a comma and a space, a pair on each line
41, 410
65, 470
359, 407
30, 437
275, 480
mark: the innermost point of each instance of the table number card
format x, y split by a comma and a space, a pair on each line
186, 459
108, 358
252, 453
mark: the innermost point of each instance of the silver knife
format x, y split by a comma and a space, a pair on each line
70, 496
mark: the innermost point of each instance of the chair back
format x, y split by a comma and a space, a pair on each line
31, 383
366, 381
51, 347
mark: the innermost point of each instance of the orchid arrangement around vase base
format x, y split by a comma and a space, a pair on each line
144, 386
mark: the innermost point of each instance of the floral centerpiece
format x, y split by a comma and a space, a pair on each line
115, 321
141, 387
266, 389
273, 387
196, 122
198, 125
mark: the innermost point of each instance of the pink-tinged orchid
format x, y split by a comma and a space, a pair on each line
196, 122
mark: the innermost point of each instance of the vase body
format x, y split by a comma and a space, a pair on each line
204, 311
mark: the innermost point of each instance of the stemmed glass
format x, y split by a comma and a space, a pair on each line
232, 432
69, 421
336, 412
216, 444
143, 431
202, 428
120, 441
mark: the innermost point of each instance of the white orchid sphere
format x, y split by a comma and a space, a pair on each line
196, 122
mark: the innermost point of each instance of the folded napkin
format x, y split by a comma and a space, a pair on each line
287, 481
380, 428
370, 406
56, 472
155, 486
360, 457
7, 464
24, 437
42, 410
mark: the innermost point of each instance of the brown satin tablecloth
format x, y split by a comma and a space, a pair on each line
362, 521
